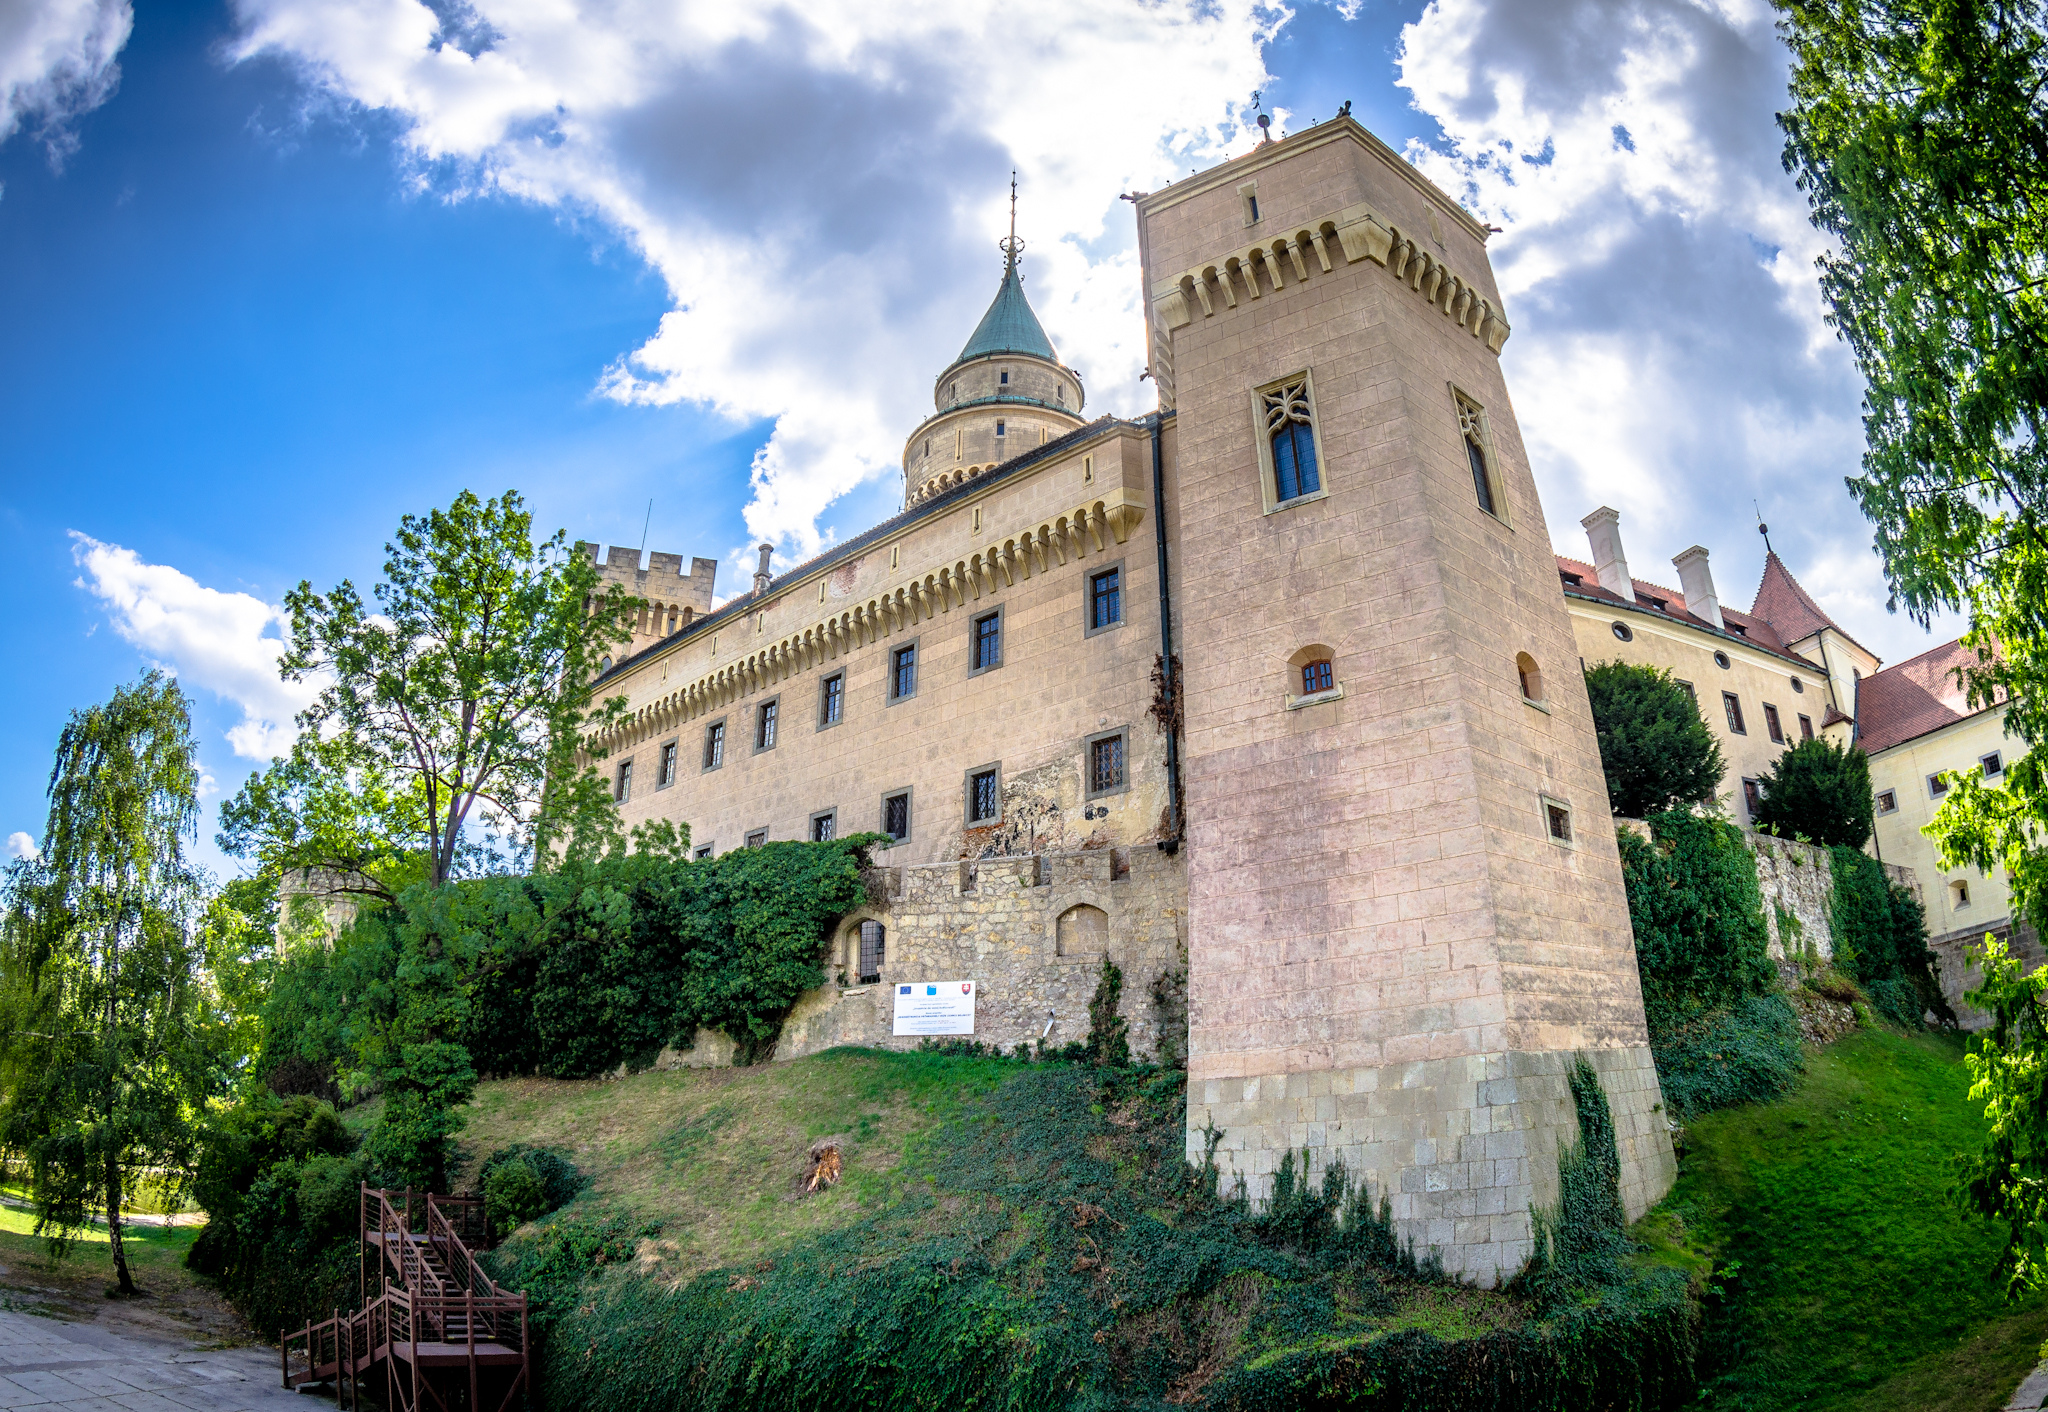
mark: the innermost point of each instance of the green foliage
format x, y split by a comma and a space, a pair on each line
1841, 1275
1719, 1030
1919, 133
464, 687
1819, 791
104, 1015
280, 1182
1657, 752
1881, 939
1049, 1247
2007, 1179
521, 1183
1109, 1033
1582, 1241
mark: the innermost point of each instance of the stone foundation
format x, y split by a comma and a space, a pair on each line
1956, 956
1463, 1147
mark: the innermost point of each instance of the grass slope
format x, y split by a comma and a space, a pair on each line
714, 1154
1859, 1282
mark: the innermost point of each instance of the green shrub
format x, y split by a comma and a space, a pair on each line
1820, 792
1719, 1030
1881, 940
521, 1183
1656, 751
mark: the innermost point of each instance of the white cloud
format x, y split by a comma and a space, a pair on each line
20, 845
821, 185
1669, 355
224, 643
57, 62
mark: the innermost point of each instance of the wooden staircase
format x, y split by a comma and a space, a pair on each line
439, 1333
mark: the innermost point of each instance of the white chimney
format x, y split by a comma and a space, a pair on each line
761, 576
1603, 532
1696, 580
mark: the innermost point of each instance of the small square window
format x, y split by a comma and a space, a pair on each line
825, 826
1806, 728
831, 700
1318, 676
1937, 785
765, 716
1733, 706
984, 796
703, 852
1106, 764
896, 815
714, 745
1752, 797
757, 838
1557, 820
1105, 599
903, 672
1771, 724
622, 782
986, 651
667, 773
1887, 801
1991, 764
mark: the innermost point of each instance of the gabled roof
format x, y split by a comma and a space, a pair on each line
1670, 603
1915, 698
1790, 609
1009, 326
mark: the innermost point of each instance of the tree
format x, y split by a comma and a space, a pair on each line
459, 700
101, 1064
1919, 132
1819, 791
1657, 752
2007, 1181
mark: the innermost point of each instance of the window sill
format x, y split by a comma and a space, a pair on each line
1543, 706
1277, 506
1335, 693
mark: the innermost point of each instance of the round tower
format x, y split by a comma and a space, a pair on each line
1006, 394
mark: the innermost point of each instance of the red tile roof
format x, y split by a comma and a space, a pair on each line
1787, 607
1670, 603
1912, 699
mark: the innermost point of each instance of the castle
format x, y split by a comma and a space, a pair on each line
1274, 688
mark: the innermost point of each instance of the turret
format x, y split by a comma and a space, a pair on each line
1006, 394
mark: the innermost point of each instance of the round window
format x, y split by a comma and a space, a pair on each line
1621, 630
1798, 685
1721, 660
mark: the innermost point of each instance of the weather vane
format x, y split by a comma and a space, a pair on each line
1762, 528
1012, 247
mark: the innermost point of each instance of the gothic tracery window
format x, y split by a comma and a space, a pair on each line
1290, 432
1472, 430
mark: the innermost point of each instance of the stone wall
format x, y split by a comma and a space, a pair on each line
997, 923
1798, 884
1957, 953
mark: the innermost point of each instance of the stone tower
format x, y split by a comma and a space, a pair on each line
1006, 394
1406, 912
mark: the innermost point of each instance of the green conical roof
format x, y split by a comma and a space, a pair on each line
1009, 326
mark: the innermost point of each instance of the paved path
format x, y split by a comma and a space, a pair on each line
49, 1364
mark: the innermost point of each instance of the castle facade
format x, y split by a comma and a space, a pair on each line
1271, 695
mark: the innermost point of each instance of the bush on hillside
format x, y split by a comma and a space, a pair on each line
1820, 792
522, 1183
1881, 940
1720, 1030
1657, 752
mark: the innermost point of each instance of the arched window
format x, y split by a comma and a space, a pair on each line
1290, 432
1316, 676
1083, 931
1472, 429
1532, 678
1312, 673
868, 964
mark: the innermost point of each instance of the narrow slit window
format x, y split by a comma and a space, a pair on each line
1004, 379
999, 428
1472, 430
764, 725
622, 786
714, 745
1806, 728
832, 699
668, 765
1753, 797
1290, 433
1732, 705
1771, 724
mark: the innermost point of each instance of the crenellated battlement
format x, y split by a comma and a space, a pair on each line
671, 598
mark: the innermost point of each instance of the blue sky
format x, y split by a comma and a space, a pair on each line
274, 272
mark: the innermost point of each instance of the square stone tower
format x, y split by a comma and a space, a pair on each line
1406, 911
